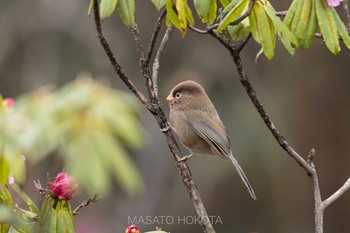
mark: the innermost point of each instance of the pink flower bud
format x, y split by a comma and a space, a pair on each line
8, 102
334, 3
64, 186
132, 229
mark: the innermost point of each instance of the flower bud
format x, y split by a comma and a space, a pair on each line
63, 187
132, 229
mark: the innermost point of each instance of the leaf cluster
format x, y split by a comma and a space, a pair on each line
90, 125
296, 30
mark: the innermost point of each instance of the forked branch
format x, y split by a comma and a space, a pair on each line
153, 104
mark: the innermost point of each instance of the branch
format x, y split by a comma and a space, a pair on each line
337, 194
156, 62
154, 36
159, 115
346, 13
146, 73
308, 165
116, 66
94, 198
281, 13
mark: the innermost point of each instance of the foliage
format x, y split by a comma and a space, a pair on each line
87, 123
297, 29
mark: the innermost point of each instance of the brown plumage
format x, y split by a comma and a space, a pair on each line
199, 126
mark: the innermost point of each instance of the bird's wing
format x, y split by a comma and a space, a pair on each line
210, 130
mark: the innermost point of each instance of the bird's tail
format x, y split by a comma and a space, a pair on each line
243, 176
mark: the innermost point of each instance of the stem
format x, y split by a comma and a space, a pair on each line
156, 62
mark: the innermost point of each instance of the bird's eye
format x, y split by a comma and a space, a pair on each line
177, 95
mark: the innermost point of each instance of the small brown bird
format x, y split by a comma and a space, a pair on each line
198, 125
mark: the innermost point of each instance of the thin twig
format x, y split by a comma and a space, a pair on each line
243, 43
281, 13
337, 194
146, 73
156, 62
346, 13
115, 64
156, 31
200, 31
94, 198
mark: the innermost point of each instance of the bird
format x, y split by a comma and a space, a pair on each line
198, 126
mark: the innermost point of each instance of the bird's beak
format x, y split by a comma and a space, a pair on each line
170, 98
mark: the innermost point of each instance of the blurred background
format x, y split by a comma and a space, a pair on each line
307, 96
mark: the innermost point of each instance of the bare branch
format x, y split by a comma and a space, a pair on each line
337, 194
154, 36
346, 13
263, 114
156, 62
115, 64
193, 28
94, 198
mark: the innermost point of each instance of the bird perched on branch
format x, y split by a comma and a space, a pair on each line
198, 125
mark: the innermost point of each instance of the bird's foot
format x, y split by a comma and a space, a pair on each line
167, 128
185, 158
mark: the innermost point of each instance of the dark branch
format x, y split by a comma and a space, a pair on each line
157, 28
146, 73
116, 66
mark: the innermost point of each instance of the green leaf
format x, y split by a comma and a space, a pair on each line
91, 6
107, 7
158, 4
341, 28
4, 170
171, 14
266, 33
238, 32
189, 15
126, 9
328, 26
5, 195
280, 27
48, 218
291, 12
25, 198
182, 15
225, 3
229, 7
65, 221
206, 10
304, 18
232, 15
253, 26
296, 17
310, 31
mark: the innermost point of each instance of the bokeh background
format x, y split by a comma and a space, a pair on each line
307, 96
